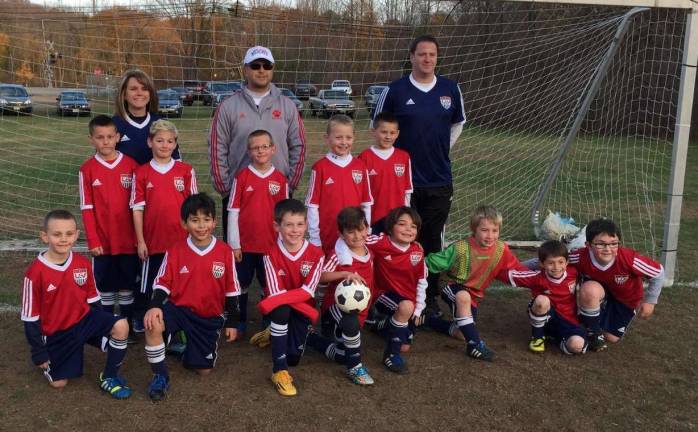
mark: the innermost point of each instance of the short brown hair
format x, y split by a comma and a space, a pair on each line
351, 218
58, 214
341, 119
259, 132
145, 81
552, 248
396, 213
289, 205
423, 38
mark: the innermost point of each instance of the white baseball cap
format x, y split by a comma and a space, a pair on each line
256, 53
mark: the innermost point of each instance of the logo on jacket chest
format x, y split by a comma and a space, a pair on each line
621, 278
357, 176
276, 114
274, 187
445, 101
218, 269
399, 169
415, 257
179, 184
126, 181
80, 276
305, 267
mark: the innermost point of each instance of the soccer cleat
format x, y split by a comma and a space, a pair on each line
115, 386
479, 351
284, 383
138, 326
597, 341
537, 345
359, 375
261, 339
157, 389
395, 363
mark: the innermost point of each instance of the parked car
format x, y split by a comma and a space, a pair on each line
186, 96
372, 95
15, 98
288, 93
330, 102
72, 102
343, 85
196, 87
215, 91
305, 89
169, 104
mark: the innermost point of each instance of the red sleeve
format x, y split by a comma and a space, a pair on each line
235, 200
521, 278
331, 264
310, 282
645, 267
163, 280
410, 187
31, 297
138, 189
314, 189
508, 262
232, 285
270, 276
91, 286
366, 197
87, 209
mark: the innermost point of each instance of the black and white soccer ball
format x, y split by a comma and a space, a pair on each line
352, 296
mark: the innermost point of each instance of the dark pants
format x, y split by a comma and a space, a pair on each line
224, 216
433, 206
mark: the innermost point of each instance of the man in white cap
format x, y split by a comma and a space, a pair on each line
260, 105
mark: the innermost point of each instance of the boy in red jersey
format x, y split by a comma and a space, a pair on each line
389, 171
341, 331
105, 182
470, 267
159, 189
553, 308
612, 291
255, 191
337, 180
59, 291
400, 277
293, 269
195, 285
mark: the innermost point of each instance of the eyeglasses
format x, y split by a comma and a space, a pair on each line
613, 245
258, 66
263, 147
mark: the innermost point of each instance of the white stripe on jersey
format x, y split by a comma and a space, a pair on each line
193, 188
331, 264
272, 282
27, 301
161, 271
131, 201
311, 187
81, 180
646, 269
233, 189
315, 279
236, 283
574, 257
379, 104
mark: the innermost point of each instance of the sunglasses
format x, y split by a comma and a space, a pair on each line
258, 66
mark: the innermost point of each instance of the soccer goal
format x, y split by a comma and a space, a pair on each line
581, 109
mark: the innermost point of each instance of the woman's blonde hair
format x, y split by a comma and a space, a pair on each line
145, 81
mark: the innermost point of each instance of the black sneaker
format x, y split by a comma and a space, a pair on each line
597, 341
395, 363
157, 390
479, 351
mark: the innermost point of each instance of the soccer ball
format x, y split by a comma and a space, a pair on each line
352, 296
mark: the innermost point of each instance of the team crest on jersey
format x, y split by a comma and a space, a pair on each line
445, 101
80, 276
621, 279
218, 269
357, 176
415, 257
276, 114
305, 267
126, 181
399, 169
274, 187
179, 184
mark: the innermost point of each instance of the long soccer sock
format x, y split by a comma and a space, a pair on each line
336, 353
466, 325
352, 349
438, 324
156, 358
279, 341
591, 319
125, 298
116, 351
108, 300
537, 324
398, 333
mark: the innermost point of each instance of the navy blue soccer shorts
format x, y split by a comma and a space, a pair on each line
448, 294
65, 348
386, 304
558, 328
251, 264
202, 335
615, 316
114, 273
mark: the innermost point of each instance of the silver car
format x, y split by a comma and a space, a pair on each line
330, 102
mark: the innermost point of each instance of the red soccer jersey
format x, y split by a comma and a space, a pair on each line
160, 190
58, 295
105, 191
336, 183
254, 196
622, 277
390, 177
398, 269
199, 279
286, 271
561, 292
363, 265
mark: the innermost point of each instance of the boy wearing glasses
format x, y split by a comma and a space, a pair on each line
256, 190
612, 291
259, 105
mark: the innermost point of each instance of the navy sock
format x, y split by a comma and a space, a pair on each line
126, 304
279, 341
156, 358
336, 353
108, 299
318, 342
537, 324
591, 319
242, 305
438, 324
467, 326
397, 335
116, 351
352, 349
